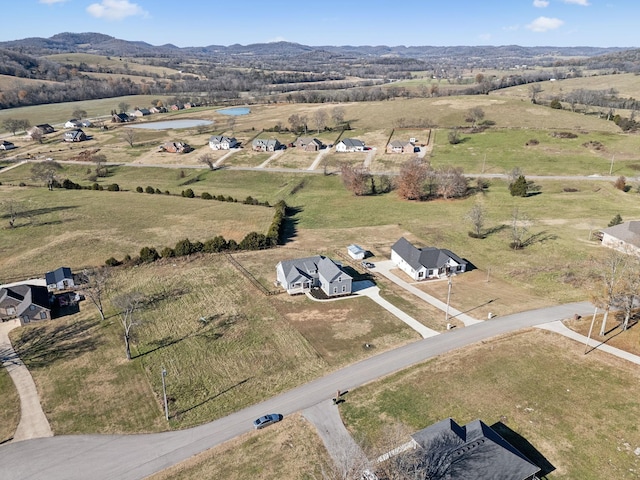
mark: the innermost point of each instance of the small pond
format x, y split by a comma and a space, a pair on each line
168, 124
235, 111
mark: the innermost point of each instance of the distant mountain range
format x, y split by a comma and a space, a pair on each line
97, 43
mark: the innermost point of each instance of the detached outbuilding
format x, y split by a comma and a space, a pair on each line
356, 252
59, 279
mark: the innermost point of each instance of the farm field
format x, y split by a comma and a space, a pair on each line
549, 398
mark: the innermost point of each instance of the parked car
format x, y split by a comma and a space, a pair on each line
366, 264
266, 420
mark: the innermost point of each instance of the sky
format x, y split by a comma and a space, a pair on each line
197, 23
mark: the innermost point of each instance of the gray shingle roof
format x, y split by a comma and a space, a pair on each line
352, 142
428, 257
478, 450
628, 232
58, 275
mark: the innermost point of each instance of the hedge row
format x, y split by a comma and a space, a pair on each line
252, 241
70, 185
189, 193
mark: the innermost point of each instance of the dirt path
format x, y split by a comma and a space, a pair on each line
33, 422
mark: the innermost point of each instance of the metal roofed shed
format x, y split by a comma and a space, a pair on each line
356, 252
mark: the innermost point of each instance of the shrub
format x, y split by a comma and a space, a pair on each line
254, 241
158, 191
555, 104
621, 183
533, 141
454, 137
111, 262
22, 184
114, 187
95, 186
519, 187
206, 196
214, 245
150, 189
232, 245
166, 192
183, 247
188, 193
69, 185
167, 252
149, 255
220, 198
617, 220
139, 189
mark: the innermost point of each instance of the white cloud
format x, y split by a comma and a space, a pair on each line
51, 2
115, 9
543, 24
584, 3
540, 3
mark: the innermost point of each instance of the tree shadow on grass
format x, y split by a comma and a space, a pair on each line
540, 237
525, 448
494, 230
290, 224
212, 397
43, 347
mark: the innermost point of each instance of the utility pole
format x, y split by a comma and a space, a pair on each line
446, 318
164, 394
611, 167
593, 320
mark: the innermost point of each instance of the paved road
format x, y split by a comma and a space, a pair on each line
129, 457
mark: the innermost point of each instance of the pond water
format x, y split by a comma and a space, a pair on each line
168, 124
235, 111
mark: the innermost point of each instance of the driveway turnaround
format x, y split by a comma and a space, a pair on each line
33, 422
384, 268
128, 457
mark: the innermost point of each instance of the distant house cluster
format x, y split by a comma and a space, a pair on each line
427, 262
303, 274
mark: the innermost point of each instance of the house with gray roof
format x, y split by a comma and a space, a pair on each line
266, 145
300, 275
59, 279
24, 302
309, 144
426, 262
220, 142
75, 136
350, 145
624, 237
470, 451
5, 145
398, 146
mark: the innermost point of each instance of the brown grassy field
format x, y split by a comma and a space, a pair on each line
9, 416
9, 81
290, 449
112, 62
538, 384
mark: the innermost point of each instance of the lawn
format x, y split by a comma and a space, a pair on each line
224, 345
9, 416
290, 449
552, 396
84, 228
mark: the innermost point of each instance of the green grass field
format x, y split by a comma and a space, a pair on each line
552, 396
10, 413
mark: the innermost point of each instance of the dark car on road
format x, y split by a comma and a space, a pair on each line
266, 420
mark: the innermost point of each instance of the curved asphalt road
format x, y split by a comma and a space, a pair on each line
136, 456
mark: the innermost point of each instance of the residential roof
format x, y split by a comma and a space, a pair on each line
476, 448
352, 142
400, 144
300, 267
628, 232
22, 296
329, 270
302, 141
266, 142
356, 249
221, 139
58, 275
428, 257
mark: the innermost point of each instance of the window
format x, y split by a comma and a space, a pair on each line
344, 288
32, 307
43, 315
11, 311
335, 289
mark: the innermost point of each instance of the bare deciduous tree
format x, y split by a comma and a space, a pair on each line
320, 119
79, 113
630, 289
337, 115
356, 179
476, 114
96, 287
45, 171
100, 160
412, 177
14, 210
451, 182
349, 461
130, 135
534, 90
520, 223
123, 107
208, 160
127, 304
609, 273
476, 217
37, 136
